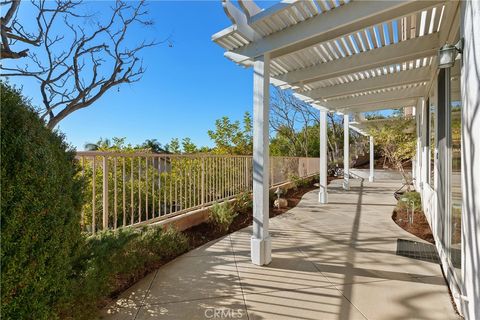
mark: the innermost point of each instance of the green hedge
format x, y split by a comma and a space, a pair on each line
113, 259
50, 270
40, 212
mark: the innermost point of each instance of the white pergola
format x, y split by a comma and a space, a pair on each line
339, 56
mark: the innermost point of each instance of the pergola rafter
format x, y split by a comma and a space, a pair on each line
416, 48
366, 84
339, 56
349, 18
380, 105
415, 91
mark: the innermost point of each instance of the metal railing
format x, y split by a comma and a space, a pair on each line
133, 189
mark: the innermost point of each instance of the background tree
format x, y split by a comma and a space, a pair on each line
74, 64
295, 129
374, 115
100, 144
153, 145
289, 117
173, 146
188, 146
231, 137
396, 139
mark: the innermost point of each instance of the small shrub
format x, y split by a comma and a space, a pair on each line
222, 215
165, 243
243, 202
299, 182
40, 213
272, 196
409, 198
112, 259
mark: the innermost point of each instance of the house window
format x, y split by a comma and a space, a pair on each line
455, 157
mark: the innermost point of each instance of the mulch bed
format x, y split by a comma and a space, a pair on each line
419, 227
205, 232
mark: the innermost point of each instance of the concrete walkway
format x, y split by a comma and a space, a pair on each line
335, 261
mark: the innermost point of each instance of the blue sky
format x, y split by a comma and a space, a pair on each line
186, 87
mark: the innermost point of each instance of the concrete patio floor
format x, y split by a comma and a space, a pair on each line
335, 261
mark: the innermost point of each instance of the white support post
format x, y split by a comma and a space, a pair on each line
260, 241
322, 195
371, 178
470, 82
346, 152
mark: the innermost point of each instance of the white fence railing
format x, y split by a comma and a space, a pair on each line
127, 189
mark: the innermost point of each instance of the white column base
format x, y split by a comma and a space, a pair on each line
323, 197
346, 184
371, 179
261, 251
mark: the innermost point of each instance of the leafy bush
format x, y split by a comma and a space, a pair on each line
40, 213
299, 182
243, 202
113, 259
49, 269
222, 215
409, 198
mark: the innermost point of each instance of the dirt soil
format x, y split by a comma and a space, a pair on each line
420, 226
205, 232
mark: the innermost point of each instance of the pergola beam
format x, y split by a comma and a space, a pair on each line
331, 24
381, 105
375, 83
412, 49
350, 102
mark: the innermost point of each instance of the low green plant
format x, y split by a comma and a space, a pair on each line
112, 259
299, 182
408, 199
165, 243
222, 215
243, 202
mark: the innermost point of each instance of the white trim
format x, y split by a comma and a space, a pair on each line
379, 82
340, 21
412, 49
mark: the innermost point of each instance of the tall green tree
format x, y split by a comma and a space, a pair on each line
174, 146
396, 139
188, 146
153, 145
233, 137
100, 144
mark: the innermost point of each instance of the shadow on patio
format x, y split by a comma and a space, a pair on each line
334, 261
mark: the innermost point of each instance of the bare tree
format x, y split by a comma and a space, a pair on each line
333, 139
74, 64
287, 115
290, 118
